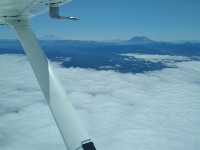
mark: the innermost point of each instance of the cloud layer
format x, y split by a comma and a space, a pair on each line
156, 110
165, 59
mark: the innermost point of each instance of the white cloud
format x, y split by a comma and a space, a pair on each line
167, 59
105, 67
156, 110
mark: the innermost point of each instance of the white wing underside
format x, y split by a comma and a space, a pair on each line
13, 8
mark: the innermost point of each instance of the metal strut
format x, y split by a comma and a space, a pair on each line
72, 131
54, 13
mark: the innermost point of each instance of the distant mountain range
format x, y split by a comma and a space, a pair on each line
56, 45
138, 40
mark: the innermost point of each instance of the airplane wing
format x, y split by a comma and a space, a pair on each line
26, 7
18, 13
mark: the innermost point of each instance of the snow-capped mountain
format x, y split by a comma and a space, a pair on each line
139, 40
51, 37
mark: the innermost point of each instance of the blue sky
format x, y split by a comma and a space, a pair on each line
162, 20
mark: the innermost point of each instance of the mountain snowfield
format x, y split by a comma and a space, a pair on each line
51, 37
157, 110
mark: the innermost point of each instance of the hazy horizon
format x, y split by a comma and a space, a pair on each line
102, 40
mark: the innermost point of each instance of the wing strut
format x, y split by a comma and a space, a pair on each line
54, 13
71, 129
